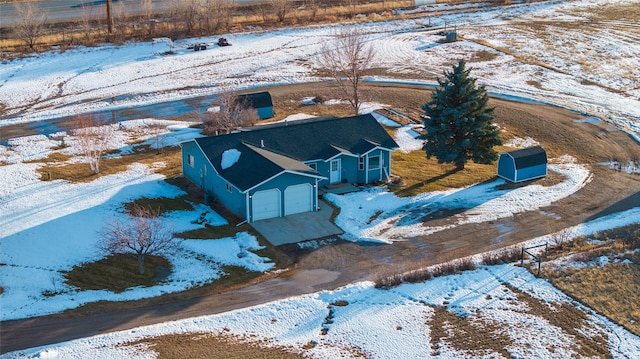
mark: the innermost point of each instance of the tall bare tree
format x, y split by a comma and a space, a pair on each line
118, 19
347, 59
186, 12
31, 23
148, 12
93, 140
233, 114
145, 233
313, 6
218, 15
281, 8
352, 6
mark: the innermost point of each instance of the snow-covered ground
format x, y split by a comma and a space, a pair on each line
397, 323
48, 227
594, 69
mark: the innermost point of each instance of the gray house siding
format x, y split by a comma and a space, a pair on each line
203, 175
194, 163
377, 165
348, 170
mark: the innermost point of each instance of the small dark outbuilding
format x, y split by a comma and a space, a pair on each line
523, 165
261, 101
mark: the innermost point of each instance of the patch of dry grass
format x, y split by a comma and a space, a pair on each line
483, 337
420, 174
81, 172
52, 158
572, 321
416, 272
117, 273
214, 345
610, 289
468, 334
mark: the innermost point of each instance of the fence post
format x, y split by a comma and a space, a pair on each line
539, 261
522, 257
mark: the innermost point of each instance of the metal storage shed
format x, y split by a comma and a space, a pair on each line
261, 101
523, 165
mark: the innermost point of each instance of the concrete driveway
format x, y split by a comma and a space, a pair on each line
298, 227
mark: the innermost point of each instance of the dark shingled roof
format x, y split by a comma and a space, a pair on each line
270, 150
529, 157
255, 100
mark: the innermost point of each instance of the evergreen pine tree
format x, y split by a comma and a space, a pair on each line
458, 123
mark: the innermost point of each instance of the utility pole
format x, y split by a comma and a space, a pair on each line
109, 22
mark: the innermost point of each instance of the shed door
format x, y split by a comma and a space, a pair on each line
266, 204
298, 198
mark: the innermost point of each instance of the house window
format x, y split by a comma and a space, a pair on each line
190, 160
314, 166
374, 162
335, 166
361, 163
229, 188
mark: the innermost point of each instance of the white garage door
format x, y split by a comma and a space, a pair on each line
298, 199
266, 204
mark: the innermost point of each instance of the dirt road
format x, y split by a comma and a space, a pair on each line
341, 263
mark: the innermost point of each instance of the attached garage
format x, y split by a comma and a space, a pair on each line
265, 204
298, 199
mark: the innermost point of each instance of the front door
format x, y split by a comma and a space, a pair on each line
334, 171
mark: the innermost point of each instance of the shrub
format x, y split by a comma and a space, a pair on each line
503, 256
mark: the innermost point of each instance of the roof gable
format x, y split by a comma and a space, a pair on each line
528, 157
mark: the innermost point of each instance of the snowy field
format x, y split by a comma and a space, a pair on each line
499, 301
48, 227
513, 50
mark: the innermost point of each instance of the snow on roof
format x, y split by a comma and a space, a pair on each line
229, 158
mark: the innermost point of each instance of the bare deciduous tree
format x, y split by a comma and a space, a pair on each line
218, 15
281, 8
30, 24
232, 115
312, 6
87, 28
119, 20
148, 12
347, 59
352, 6
93, 140
145, 233
186, 12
